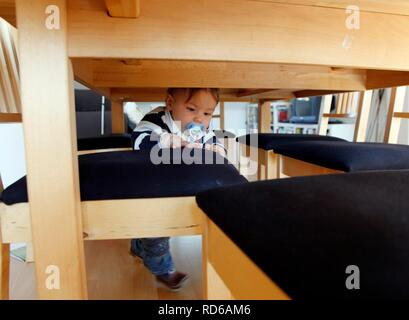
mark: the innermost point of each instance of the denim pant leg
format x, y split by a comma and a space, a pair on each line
155, 254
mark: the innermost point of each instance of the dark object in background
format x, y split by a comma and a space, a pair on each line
307, 111
88, 114
88, 100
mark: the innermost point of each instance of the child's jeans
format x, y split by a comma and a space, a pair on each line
155, 254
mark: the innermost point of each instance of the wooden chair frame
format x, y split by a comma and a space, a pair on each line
80, 153
138, 218
223, 280
135, 49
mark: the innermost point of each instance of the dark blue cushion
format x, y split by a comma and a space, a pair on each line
304, 232
131, 174
270, 141
112, 141
349, 156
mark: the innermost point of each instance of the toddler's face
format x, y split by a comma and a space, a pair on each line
199, 108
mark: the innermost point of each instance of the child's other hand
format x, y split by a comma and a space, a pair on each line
168, 140
194, 145
216, 148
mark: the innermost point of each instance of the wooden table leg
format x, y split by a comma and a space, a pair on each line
117, 116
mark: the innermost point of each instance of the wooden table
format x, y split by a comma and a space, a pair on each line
253, 50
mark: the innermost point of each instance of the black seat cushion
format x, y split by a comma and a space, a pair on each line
304, 232
131, 174
112, 141
270, 141
349, 156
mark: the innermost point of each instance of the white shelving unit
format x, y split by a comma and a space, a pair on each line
286, 127
343, 130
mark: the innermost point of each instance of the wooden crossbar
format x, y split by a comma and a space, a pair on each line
10, 117
403, 115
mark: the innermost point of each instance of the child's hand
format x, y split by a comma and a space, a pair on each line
168, 140
194, 145
216, 148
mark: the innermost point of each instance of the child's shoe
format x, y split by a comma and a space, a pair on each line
173, 281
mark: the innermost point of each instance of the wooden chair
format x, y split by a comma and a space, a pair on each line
107, 215
122, 199
285, 240
314, 158
261, 147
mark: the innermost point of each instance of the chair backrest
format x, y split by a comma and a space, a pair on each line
10, 103
395, 114
350, 105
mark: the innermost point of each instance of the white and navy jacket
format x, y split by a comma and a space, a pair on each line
147, 133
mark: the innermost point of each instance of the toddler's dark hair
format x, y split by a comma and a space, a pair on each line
191, 91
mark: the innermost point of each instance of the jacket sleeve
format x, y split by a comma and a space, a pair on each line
144, 140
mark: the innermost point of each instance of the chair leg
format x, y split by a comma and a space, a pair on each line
271, 168
260, 163
242, 153
217, 289
279, 167
212, 285
259, 172
4, 271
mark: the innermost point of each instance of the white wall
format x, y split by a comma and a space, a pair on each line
12, 156
235, 117
342, 130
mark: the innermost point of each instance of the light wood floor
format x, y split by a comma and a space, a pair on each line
113, 274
